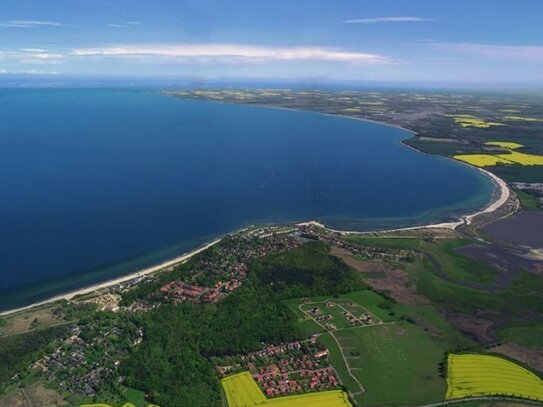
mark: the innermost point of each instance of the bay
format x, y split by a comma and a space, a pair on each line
96, 183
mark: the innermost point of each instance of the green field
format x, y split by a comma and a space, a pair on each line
242, 391
485, 375
524, 293
527, 334
390, 351
527, 201
455, 265
398, 353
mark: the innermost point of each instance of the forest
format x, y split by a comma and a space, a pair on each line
172, 365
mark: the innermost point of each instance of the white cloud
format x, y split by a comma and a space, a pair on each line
387, 20
32, 56
27, 72
32, 50
126, 24
39, 53
236, 52
28, 24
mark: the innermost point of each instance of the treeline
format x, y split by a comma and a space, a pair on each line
18, 351
173, 366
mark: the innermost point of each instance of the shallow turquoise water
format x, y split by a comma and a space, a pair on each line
97, 183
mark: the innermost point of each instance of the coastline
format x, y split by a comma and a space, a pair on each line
502, 197
498, 200
85, 290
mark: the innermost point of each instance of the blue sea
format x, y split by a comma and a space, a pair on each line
97, 183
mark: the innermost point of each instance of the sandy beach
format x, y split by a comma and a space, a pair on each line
502, 197
68, 296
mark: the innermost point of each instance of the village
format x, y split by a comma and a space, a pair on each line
86, 358
285, 369
314, 232
213, 276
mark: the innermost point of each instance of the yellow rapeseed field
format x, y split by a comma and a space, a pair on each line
522, 158
512, 157
482, 160
242, 391
467, 120
485, 375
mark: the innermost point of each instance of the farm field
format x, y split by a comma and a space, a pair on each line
511, 158
399, 353
467, 120
485, 375
370, 357
483, 160
242, 391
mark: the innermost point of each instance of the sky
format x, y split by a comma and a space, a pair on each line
444, 42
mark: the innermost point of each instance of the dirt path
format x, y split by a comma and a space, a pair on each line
349, 370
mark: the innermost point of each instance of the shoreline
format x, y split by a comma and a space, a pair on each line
502, 197
141, 273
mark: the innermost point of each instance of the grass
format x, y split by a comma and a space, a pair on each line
524, 334
134, 396
242, 391
398, 364
453, 264
527, 201
519, 173
29, 320
399, 352
428, 318
366, 298
485, 375
524, 294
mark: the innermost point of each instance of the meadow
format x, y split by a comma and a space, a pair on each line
396, 349
242, 391
400, 353
486, 375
